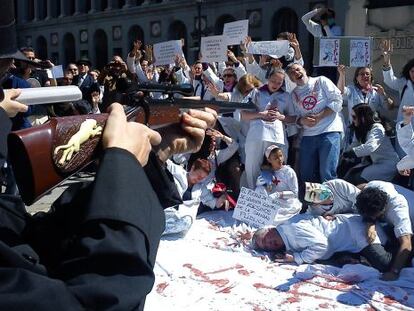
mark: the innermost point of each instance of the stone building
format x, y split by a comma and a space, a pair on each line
65, 30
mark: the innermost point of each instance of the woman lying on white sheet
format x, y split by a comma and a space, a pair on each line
335, 196
307, 239
280, 183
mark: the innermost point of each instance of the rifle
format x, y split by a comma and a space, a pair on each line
38, 168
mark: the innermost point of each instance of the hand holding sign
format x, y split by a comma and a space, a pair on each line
254, 208
235, 32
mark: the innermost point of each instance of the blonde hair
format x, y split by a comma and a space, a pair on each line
247, 80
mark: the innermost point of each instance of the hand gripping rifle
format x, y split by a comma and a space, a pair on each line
45, 155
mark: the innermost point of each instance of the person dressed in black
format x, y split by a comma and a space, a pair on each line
96, 247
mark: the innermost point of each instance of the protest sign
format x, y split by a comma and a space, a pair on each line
213, 49
254, 208
57, 72
348, 51
360, 53
236, 32
165, 52
275, 49
329, 52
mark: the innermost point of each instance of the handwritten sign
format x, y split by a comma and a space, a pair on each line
254, 208
360, 53
213, 49
349, 50
57, 72
165, 52
236, 32
275, 49
329, 52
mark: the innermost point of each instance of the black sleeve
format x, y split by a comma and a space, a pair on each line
162, 180
5, 127
107, 259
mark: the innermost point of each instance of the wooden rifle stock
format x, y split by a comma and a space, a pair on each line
31, 151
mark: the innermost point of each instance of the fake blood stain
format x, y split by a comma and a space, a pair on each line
161, 287
216, 282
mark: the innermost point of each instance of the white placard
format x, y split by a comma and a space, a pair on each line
165, 52
329, 52
359, 53
213, 49
236, 32
254, 208
275, 49
57, 72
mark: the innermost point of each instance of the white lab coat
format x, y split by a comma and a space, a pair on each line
316, 238
405, 136
398, 84
382, 153
397, 211
286, 182
344, 197
316, 29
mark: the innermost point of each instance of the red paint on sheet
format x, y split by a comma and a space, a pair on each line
256, 307
296, 294
195, 271
261, 285
293, 299
237, 266
226, 290
243, 272
161, 287
218, 282
206, 278
213, 226
324, 305
389, 300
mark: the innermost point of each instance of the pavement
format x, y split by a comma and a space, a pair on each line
44, 203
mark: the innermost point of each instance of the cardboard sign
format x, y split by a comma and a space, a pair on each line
360, 53
165, 52
329, 52
254, 208
275, 49
213, 49
236, 32
57, 72
348, 51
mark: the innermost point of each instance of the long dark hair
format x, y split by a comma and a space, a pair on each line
406, 69
366, 118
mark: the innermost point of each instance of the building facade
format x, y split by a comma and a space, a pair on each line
65, 30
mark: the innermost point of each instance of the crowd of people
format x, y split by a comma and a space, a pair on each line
331, 173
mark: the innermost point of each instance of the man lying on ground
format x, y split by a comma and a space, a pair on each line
306, 239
